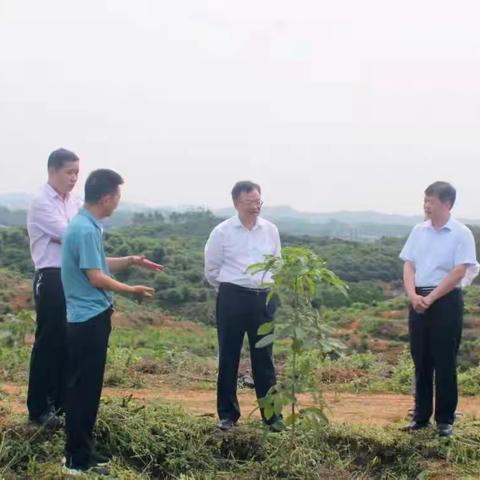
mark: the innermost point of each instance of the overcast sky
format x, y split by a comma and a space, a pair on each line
327, 104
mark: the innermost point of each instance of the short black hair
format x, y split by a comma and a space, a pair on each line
244, 186
443, 191
100, 183
59, 157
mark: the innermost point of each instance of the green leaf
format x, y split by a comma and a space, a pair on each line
299, 333
265, 328
268, 411
316, 412
265, 341
297, 345
278, 403
290, 419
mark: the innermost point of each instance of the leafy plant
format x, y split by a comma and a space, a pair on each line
297, 276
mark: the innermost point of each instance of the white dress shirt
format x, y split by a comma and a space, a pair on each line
231, 248
435, 252
47, 218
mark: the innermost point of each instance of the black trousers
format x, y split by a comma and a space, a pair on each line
87, 349
46, 383
241, 310
434, 342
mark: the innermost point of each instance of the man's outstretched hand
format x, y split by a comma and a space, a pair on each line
141, 291
141, 261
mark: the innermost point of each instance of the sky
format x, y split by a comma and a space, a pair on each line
329, 105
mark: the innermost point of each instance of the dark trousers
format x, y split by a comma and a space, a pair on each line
241, 310
434, 342
87, 349
46, 381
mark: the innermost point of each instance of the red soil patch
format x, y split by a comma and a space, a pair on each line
22, 301
146, 317
359, 409
394, 314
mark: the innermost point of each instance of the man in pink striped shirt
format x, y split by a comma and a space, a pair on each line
48, 216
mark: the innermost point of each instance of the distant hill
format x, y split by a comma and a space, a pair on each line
15, 201
342, 216
13, 211
21, 201
360, 225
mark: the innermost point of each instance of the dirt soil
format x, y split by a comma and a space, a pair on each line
359, 409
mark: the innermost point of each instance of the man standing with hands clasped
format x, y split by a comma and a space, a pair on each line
48, 216
439, 258
233, 245
88, 284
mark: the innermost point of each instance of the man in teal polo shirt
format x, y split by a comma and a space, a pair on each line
88, 286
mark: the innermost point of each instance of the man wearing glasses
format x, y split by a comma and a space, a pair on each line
233, 245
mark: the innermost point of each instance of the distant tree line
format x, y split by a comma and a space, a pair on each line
12, 218
177, 240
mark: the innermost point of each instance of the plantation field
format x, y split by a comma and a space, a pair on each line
158, 406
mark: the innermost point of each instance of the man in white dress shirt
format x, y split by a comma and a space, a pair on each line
439, 258
233, 245
48, 217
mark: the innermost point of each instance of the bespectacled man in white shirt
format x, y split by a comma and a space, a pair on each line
439, 258
233, 245
48, 216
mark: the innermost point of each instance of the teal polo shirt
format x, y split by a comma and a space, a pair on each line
82, 249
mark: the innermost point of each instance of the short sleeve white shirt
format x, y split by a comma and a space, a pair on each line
435, 252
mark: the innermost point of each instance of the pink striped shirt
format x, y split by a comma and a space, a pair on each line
47, 218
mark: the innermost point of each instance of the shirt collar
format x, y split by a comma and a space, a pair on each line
237, 222
54, 194
448, 226
83, 211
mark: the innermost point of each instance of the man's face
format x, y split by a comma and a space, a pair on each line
110, 202
434, 207
65, 178
249, 204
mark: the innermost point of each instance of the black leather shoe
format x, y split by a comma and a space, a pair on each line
226, 424
414, 425
444, 429
277, 426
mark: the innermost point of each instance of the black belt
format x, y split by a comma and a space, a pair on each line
49, 269
234, 286
424, 291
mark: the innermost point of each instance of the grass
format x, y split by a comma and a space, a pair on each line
166, 442
160, 441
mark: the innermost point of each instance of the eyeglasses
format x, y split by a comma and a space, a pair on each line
258, 203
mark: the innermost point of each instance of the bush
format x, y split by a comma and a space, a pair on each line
403, 377
469, 381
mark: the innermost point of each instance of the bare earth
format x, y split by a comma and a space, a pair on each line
360, 409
